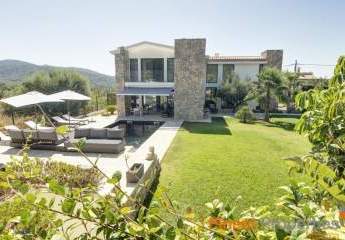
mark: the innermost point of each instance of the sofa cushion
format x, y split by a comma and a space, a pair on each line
82, 133
98, 133
101, 145
47, 134
115, 133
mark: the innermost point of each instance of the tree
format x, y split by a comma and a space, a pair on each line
323, 120
53, 81
270, 83
339, 71
234, 91
291, 87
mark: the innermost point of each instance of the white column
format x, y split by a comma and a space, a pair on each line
220, 74
165, 69
139, 69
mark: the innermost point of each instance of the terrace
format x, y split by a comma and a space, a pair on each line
137, 148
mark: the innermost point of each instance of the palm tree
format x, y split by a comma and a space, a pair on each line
270, 83
291, 88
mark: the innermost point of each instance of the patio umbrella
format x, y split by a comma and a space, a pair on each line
33, 98
67, 96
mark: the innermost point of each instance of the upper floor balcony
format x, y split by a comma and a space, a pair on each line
155, 71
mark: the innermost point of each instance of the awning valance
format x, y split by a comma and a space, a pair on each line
134, 91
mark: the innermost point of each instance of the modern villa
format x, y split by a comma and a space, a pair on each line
175, 81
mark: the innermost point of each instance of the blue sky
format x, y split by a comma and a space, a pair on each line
81, 32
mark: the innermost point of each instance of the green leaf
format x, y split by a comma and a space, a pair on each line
179, 223
62, 130
170, 233
30, 197
56, 188
68, 206
115, 179
80, 144
25, 216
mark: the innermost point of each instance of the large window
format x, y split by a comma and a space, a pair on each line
228, 72
133, 68
170, 66
212, 73
152, 70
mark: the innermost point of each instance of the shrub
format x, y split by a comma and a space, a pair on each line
63, 173
245, 115
111, 109
74, 176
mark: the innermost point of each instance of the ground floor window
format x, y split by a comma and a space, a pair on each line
150, 105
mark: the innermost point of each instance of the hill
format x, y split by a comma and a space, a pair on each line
15, 71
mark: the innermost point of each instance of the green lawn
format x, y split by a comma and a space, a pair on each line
226, 159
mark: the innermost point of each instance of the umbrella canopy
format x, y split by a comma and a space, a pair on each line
28, 99
70, 95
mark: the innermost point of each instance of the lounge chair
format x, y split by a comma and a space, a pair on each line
60, 121
73, 119
34, 126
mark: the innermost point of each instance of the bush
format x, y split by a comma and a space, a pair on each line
43, 171
245, 115
111, 109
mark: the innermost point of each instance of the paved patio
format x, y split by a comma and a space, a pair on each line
109, 163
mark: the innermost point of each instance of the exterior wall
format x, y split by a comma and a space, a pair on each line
274, 58
247, 71
190, 78
122, 75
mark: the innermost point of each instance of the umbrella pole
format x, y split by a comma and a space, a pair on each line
12, 116
69, 114
36, 117
45, 115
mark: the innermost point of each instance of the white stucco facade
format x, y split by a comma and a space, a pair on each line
247, 71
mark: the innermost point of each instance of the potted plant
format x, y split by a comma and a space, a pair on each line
135, 172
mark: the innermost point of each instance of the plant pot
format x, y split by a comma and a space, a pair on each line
135, 172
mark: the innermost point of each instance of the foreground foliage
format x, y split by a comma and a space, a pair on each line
323, 121
84, 214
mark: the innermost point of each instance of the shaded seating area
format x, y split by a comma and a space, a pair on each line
99, 140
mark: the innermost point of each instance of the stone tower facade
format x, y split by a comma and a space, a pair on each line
190, 78
121, 76
274, 58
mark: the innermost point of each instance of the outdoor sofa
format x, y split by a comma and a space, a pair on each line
99, 140
46, 138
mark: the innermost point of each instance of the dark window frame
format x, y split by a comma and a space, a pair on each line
208, 80
155, 71
231, 72
133, 74
171, 72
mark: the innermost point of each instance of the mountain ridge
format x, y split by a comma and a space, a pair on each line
14, 71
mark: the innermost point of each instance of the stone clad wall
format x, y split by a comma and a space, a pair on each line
190, 78
122, 75
274, 58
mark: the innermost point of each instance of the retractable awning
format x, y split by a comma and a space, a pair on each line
134, 91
